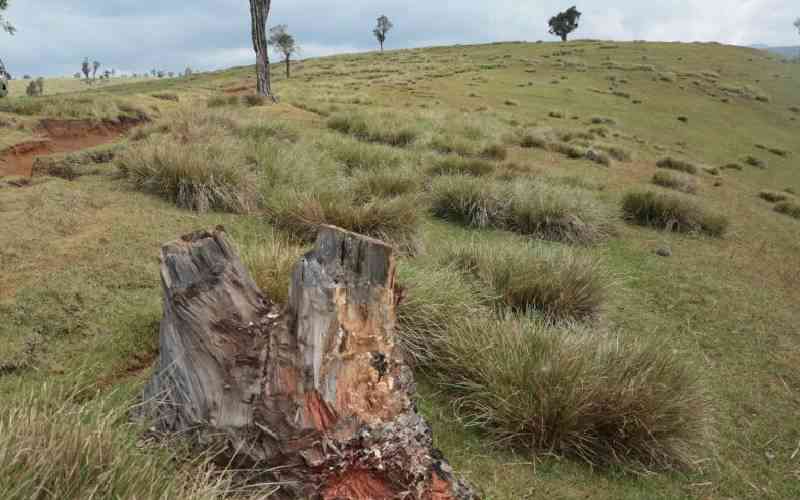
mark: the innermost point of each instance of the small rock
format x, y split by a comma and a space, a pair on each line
664, 251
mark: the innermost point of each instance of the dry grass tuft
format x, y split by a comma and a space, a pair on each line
672, 212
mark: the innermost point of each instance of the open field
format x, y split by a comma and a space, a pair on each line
470, 160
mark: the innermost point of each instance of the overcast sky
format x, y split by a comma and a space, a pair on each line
136, 35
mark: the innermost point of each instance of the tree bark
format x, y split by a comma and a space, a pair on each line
288, 68
259, 13
316, 394
4, 72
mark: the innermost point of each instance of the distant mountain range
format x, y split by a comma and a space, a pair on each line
787, 52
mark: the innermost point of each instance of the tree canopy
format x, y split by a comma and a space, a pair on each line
284, 43
383, 27
797, 24
5, 25
565, 23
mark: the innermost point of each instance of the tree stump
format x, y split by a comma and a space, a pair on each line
315, 393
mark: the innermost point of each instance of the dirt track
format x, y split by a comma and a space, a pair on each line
60, 136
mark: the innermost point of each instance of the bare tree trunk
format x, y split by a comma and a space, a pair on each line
3, 71
315, 394
288, 68
259, 13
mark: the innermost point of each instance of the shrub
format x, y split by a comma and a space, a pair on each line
676, 181
558, 283
679, 165
455, 165
773, 196
604, 398
300, 214
671, 212
790, 208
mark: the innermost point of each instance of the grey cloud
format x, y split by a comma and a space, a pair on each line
138, 35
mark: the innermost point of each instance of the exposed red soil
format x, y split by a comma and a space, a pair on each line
61, 136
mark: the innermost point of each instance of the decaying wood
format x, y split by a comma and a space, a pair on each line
316, 392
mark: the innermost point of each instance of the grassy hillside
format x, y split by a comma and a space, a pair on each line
529, 187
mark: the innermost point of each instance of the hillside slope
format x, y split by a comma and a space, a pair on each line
589, 121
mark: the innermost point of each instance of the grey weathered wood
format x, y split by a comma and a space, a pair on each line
317, 389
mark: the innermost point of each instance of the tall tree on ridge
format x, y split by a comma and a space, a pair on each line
259, 13
383, 27
283, 42
565, 23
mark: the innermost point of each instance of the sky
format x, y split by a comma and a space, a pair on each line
54, 36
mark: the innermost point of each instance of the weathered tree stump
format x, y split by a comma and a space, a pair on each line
316, 393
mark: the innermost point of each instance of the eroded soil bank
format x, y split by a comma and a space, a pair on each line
61, 136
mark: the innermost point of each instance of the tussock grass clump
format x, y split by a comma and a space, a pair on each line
468, 201
219, 101
300, 214
531, 208
755, 162
673, 180
790, 208
606, 399
452, 144
271, 261
496, 152
773, 196
732, 166
434, 299
190, 169
384, 184
356, 155
679, 165
671, 212
385, 129
52, 449
529, 139
616, 152
556, 282
456, 165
